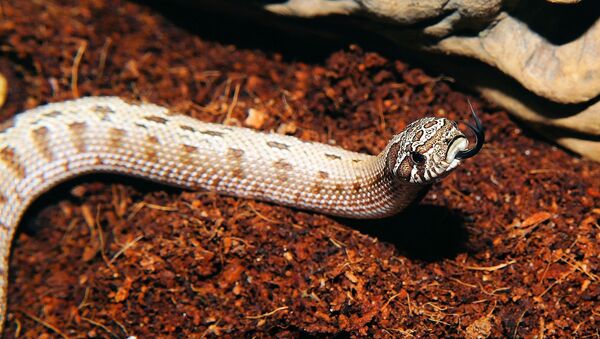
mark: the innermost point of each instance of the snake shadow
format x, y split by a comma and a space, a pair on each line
422, 232
34, 219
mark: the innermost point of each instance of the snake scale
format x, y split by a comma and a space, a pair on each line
50, 144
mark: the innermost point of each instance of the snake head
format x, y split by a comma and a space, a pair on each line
430, 148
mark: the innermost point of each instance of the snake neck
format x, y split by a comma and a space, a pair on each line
394, 194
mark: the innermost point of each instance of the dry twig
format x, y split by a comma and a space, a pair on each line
75, 68
45, 324
264, 315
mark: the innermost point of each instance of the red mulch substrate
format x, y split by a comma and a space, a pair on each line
506, 246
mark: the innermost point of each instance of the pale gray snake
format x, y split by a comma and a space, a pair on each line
50, 144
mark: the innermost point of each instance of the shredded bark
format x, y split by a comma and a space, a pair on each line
506, 246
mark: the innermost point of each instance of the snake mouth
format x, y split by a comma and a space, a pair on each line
459, 144
479, 132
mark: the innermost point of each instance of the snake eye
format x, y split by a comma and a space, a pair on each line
417, 158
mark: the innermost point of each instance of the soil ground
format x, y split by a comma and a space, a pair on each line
506, 246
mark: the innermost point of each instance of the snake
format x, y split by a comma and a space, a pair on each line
53, 143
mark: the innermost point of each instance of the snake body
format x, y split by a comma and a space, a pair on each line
53, 143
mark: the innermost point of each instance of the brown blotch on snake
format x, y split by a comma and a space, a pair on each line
283, 165
284, 168
53, 114
77, 130
430, 124
40, 140
235, 156
212, 133
187, 128
189, 151
393, 156
115, 135
282, 177
436, 136
275, 144
418, 136
323, 175
157, 119
333, 156
102, 109
317, 188
103, 112
10, 159
405, 167
151, 151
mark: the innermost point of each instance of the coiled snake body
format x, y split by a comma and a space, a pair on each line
53, 143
